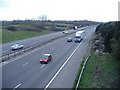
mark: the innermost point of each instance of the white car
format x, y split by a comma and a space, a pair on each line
16, 46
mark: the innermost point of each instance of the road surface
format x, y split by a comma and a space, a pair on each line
6, 48
26, 71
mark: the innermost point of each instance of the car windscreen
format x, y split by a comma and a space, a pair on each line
45, 56
77, 37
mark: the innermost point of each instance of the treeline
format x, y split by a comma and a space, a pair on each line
111, 35
34, 25
74, 23
42, 25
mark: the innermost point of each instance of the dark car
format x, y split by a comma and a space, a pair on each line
45, 58
69, 39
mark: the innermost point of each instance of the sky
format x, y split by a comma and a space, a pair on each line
94, 10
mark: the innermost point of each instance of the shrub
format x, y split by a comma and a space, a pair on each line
111, 34
11, 28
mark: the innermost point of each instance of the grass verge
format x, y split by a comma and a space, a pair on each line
8, 36
101, 72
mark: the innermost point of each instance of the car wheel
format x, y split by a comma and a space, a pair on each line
42, 62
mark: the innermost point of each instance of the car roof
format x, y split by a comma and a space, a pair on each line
47, 54
17, 44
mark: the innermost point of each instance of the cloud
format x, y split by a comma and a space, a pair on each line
97, 10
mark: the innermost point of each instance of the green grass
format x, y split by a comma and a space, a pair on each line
8, 36
100, 72
27, 30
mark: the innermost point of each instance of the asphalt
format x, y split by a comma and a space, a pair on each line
68, 74
27, 72
6, 48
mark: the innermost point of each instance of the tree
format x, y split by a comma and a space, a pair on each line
43, 20
43, 17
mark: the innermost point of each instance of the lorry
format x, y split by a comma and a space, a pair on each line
79, 36
75, 27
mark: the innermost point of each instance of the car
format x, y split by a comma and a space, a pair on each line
65, 32
16, 46
46, 58
69, 39
75, 27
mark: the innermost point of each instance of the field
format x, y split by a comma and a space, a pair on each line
21, 31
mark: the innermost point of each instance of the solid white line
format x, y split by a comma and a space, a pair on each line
63, 65
42, 66
17, 86
25, 63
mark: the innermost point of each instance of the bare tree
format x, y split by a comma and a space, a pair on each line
43, 17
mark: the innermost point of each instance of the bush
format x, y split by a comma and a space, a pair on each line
111, 34
11, 28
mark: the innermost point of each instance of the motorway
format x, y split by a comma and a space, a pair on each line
6, 48
26, 71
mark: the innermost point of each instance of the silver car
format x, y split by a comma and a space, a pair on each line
16, 46
69, 39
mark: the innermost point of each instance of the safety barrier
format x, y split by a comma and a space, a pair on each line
19, 52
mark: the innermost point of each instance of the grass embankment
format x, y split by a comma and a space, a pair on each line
8, 36
101, 72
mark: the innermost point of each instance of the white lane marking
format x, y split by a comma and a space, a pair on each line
42, 66
25, 63
16, 86
64, 64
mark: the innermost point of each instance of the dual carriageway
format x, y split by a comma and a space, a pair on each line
25, 70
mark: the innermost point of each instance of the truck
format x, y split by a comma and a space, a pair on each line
79, 36
75, 27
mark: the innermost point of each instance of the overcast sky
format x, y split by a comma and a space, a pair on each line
94, 10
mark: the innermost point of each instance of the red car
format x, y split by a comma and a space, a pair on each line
45, 58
